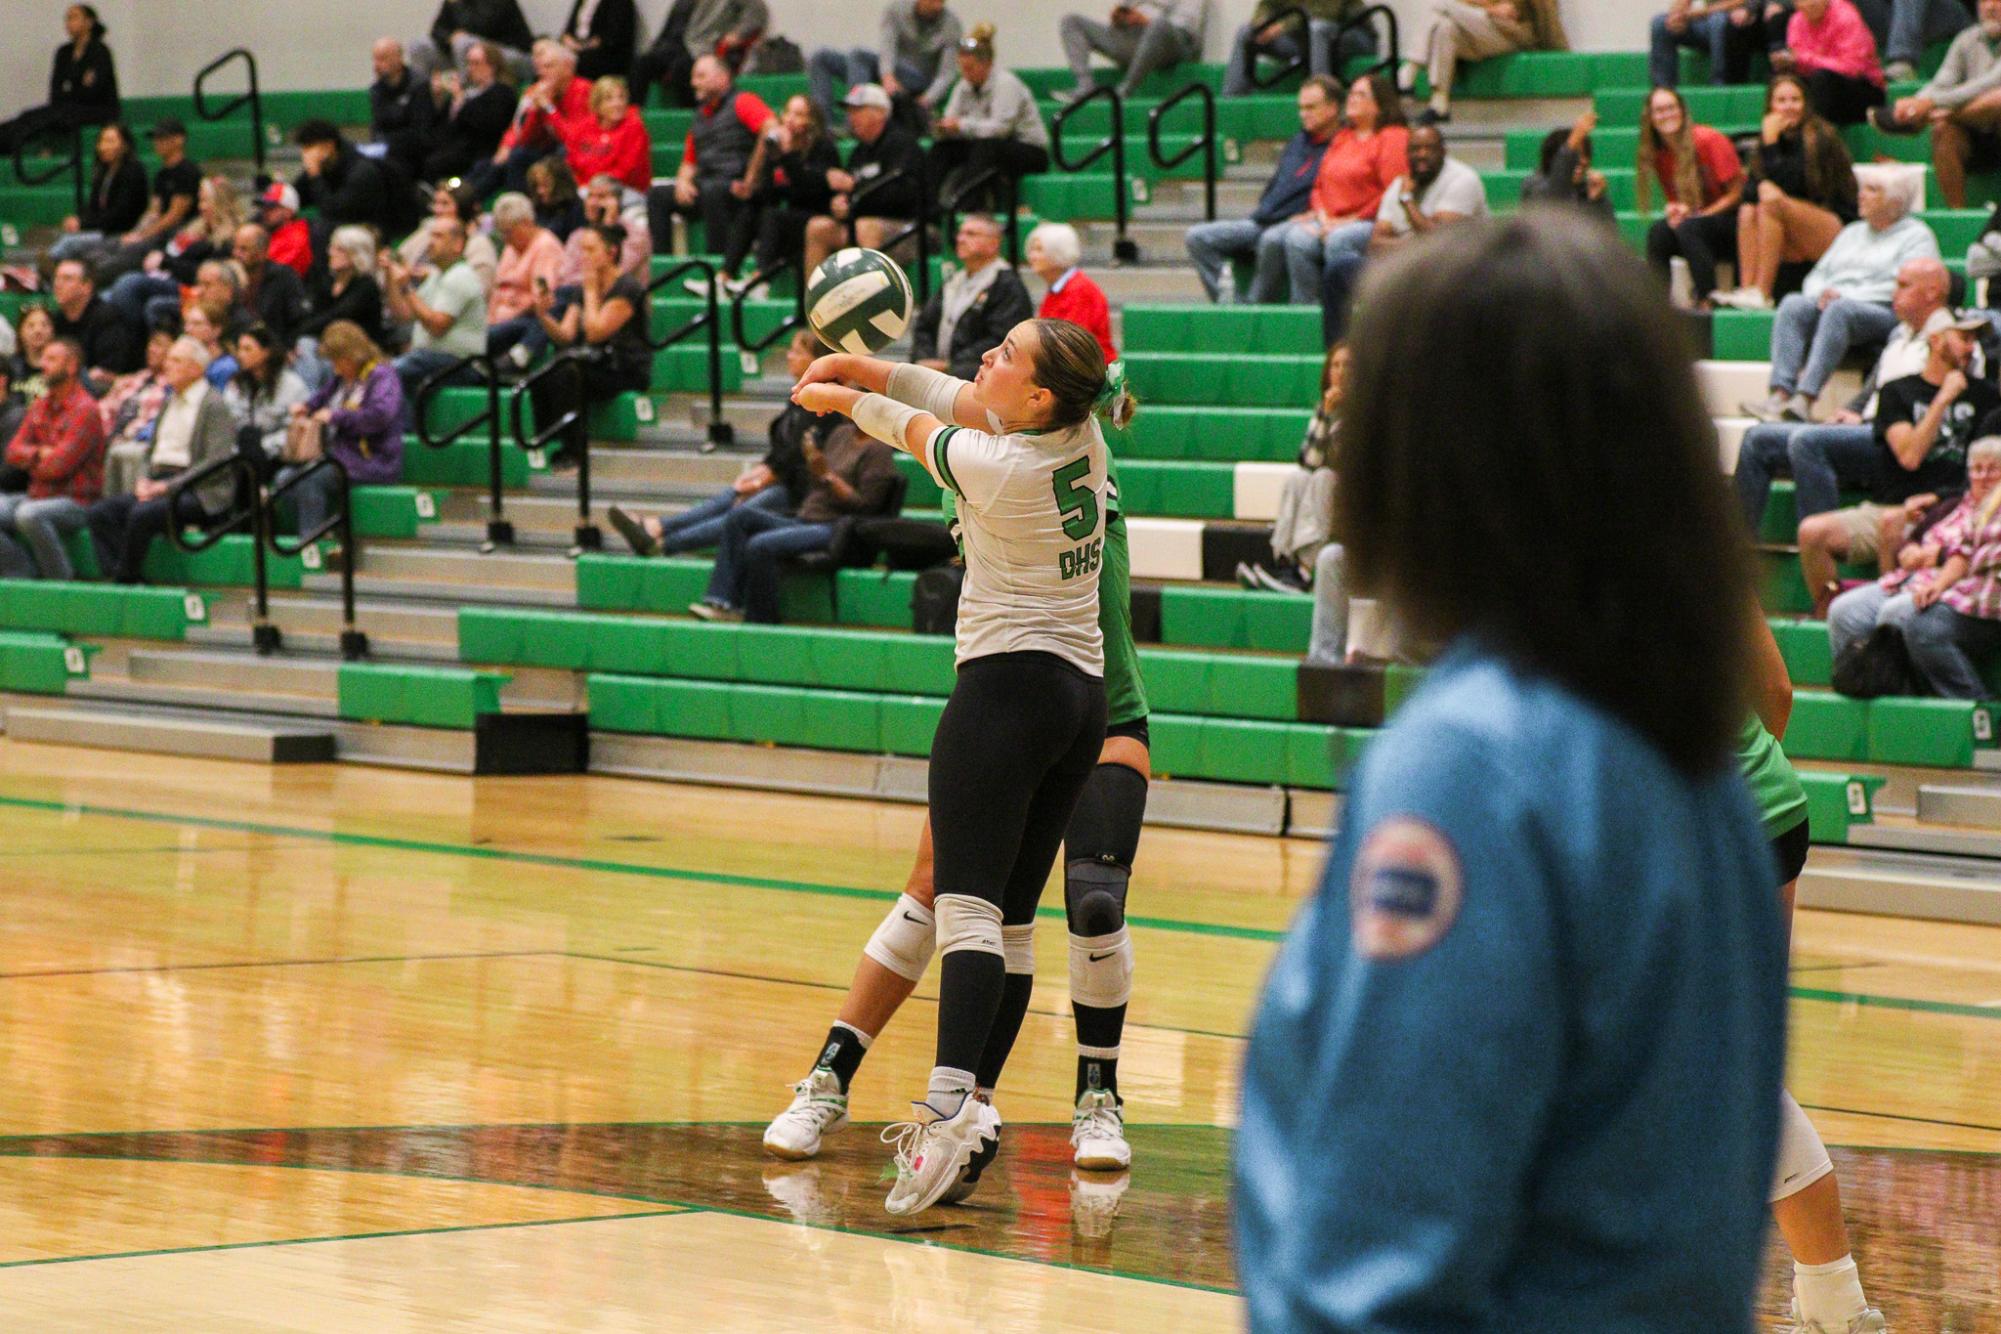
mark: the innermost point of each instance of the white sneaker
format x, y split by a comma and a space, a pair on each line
1771, 408
1094, 1202
934, 1151
969, 1177
1900, 71
818, 1109
1869, 1322
1098, 1134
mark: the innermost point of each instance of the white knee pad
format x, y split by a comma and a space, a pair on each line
1101, 969
905, 939
1018, 947
966, 922
1803, 1158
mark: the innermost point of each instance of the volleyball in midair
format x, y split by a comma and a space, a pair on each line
858, 301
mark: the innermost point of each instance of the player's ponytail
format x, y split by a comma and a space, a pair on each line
1071, 366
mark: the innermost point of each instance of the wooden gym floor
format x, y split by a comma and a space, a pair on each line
343, 1048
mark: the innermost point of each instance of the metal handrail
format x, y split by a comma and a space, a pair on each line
794, 264
252, 96
353, 643
499, 530
1123, 248
720, 431
919, 226
73, 164
1206, 145
1391, 57
588, 535
1302, 57
264, 636
1010, 212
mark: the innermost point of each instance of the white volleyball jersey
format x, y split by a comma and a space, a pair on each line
1032, 522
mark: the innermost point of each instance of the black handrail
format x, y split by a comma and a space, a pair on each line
1391, 57
498, 529
1302, 57
1010, 211
246, 483
73, 164
253, 97
353, 643
720, 431
1123, 248
1206, 145
588, 536
793, 264
919, 226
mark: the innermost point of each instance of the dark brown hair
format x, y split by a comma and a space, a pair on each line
1071, 366
1525, 459
1389, 106
1830, 168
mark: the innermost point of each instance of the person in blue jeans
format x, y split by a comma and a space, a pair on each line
1727, 31
1265, 35
777, 482
1287, 195
853, 474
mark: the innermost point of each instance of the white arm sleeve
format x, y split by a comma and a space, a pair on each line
885, 419
934, 391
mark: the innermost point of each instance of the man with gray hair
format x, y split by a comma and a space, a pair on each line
1845, 300
548, 108
1142, 37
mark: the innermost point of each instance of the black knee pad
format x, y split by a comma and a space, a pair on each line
1106, 822
1094, 896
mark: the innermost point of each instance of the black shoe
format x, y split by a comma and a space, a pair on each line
1886, 122
634, 532
1433, 116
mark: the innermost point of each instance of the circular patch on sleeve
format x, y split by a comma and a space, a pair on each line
1406, 889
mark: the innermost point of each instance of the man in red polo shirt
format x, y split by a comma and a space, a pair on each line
557, 100
61, 447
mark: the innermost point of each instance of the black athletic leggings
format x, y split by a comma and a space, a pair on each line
1018, 738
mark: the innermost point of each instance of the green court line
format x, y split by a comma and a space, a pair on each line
604, 867
348, 1236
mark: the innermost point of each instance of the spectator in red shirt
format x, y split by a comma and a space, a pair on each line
61, 447
543, 120
612, 140
1368, 153
291, 240
1702, 179
714, 182
1053, 252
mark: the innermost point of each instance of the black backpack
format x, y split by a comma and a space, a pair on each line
1878, 664
934, 600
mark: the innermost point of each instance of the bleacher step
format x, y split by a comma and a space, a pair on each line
113, 727
1975, 804
1946, 888
449, 592
499, 571
311, 615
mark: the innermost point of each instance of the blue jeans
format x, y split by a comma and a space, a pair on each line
312, 498
1916, 24
860, 65
1320, 59
1712, 33
1808, 343
1762, 455
1328, 645
41, 525
1213, 245
75, 245
1308, 250
1944, 645
1861, 609
504, 335
702, 525
754, 542
1824, 457
142, 299
1337, 290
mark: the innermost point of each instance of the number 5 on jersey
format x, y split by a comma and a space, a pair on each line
1079, 507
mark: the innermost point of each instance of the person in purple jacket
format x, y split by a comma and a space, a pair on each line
360, 411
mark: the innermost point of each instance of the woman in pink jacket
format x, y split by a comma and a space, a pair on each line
1830, 47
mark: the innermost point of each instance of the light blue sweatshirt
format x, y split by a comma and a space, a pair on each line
1862, 263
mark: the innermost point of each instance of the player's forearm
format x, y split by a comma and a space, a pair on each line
945, 397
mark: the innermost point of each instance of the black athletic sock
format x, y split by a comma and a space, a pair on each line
1099, 1029
970, 983
1015, 991
842, 1054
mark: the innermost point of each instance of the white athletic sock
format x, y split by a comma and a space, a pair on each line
1829, 1293
949, 1089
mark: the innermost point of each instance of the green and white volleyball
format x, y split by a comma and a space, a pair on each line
858, 301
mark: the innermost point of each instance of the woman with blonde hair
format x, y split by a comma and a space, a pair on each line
612, 140
209, 234
361, 416
1701, 180
989, 121
1477, 30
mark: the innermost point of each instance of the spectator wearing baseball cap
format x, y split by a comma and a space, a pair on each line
882, 150
175, 186
291, 240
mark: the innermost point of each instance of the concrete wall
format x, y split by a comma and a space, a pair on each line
315, 44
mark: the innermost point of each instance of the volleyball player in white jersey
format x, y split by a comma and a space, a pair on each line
1020, 450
